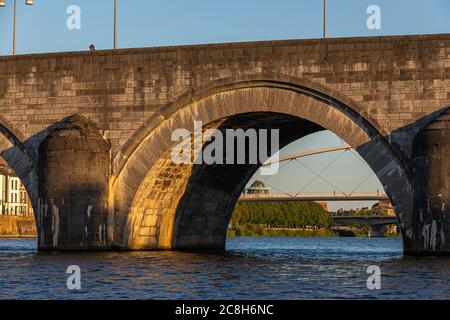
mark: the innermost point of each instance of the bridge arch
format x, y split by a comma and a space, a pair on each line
20, 158
162, 205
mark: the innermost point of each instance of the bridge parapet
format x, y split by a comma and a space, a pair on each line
119, 90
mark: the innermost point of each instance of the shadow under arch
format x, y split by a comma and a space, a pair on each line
149, 193
20, 158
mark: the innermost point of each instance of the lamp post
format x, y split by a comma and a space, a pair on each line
2, 4
115, 24
324, 18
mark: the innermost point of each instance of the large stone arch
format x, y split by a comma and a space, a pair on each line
20, 158
155, 202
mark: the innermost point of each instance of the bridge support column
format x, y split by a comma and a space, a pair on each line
431, 215
74, 167
376, 231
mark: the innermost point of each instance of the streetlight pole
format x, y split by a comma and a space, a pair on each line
14, 28
115, 24
2, 4
324, 19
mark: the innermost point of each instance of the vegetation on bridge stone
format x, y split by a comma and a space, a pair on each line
281, 215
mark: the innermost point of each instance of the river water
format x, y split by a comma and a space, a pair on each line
251, 268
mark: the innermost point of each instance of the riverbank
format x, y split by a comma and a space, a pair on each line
17, 227
16, 236
261, 231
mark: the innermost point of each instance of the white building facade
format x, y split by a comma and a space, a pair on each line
14, 199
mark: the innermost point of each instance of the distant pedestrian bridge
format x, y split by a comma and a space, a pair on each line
333, 196
375, 223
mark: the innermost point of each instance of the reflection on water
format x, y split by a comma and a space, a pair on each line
252, 268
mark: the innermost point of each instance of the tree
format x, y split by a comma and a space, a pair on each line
281, 214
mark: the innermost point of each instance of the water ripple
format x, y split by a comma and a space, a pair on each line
251, 268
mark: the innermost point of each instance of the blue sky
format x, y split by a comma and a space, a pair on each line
146, 23
142, 23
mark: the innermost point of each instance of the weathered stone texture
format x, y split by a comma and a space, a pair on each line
431, 227
74, 168
377, 93
397, 80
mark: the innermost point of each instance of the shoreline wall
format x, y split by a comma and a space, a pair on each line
17, 227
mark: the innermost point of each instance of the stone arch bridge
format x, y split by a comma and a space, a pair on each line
89, 133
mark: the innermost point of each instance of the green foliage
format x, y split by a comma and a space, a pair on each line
281, 215
261, 231
369, 212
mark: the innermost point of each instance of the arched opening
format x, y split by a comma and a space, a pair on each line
322, 188
211, 191
18, 189
17, 218
162, 205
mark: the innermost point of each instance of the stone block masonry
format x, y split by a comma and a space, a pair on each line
376, 93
